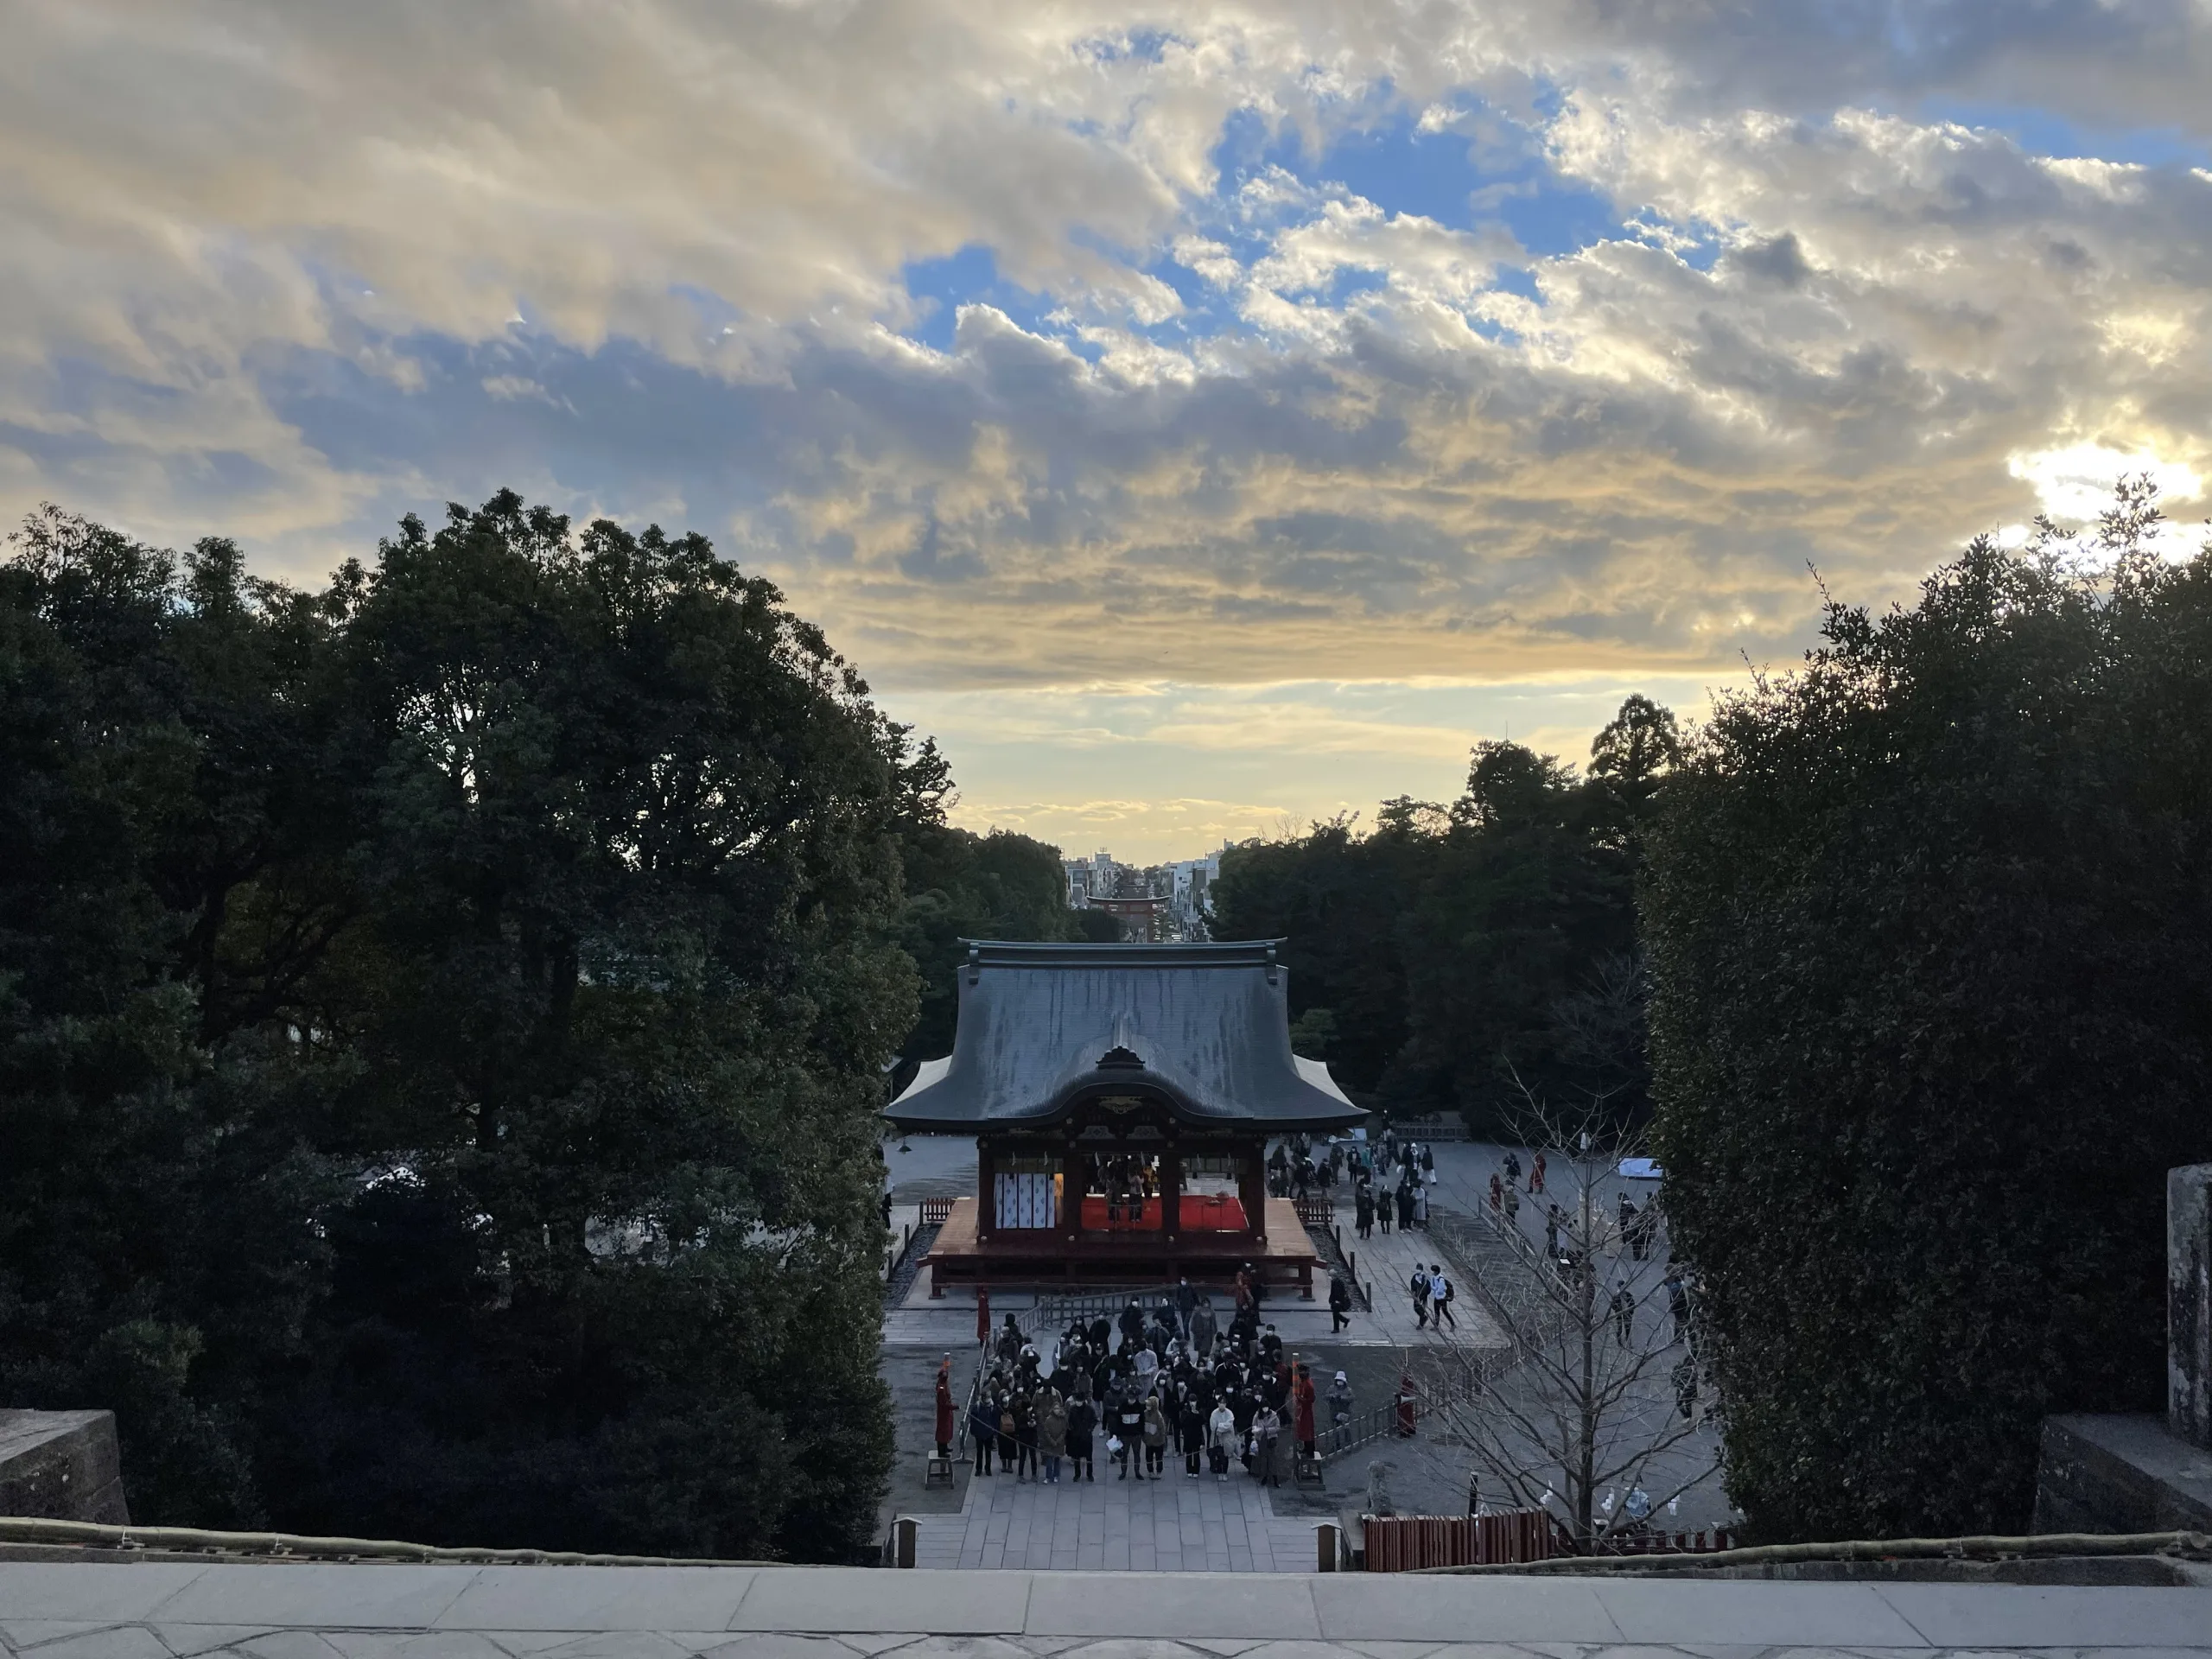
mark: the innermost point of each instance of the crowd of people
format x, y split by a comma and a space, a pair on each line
1148, 1383
1393, 1183
1390, 1177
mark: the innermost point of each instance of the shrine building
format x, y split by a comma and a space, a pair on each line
1122, 1098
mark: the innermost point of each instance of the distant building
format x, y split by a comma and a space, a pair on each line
1089, 877
1190, 884
1169, 899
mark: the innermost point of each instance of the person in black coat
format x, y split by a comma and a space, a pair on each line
1191, 1434
983, 1429
1082, 1421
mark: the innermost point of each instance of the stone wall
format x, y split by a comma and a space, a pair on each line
2120, 1473
2188, 1304
61, 1466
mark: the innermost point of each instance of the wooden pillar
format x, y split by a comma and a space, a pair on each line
1073, 1183
1171, 1192
987, 1193
1252, 1189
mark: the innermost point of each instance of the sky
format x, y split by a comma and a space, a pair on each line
1203, 417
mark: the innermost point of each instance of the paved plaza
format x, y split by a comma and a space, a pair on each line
1237, 1527
182, 1611
1174, 1525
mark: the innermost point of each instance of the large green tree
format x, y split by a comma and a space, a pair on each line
446, 1016
1458, 955
964, 886
158, 1182
1932, 1008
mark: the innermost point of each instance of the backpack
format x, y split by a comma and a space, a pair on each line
1451, 1292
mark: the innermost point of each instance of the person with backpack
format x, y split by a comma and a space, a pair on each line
1153, 1426
1419, 1285
1440, 1297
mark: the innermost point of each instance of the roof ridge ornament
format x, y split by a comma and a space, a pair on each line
1271, 964
1120, 1057
975, 962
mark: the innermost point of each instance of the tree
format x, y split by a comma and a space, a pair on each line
1523, 902
448, 1015
1336, 897
1457, 947
1929, 1019
1598, 1393
962, 886
158, 1188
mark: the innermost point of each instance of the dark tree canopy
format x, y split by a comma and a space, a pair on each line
1931, 1014
443, 1018
1460, 954
964, 886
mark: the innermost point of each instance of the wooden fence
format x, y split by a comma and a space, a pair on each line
1401, 1543
1318, 1212
1398, 1543
936, 1212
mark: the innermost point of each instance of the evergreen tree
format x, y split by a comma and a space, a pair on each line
1930, 1013
447, 1015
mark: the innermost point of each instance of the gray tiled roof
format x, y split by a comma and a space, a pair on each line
1042, 1026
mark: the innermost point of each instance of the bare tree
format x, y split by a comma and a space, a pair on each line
1602, 1365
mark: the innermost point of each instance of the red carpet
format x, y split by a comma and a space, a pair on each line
1200, 1215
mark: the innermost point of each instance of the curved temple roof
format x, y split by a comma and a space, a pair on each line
1040, 1026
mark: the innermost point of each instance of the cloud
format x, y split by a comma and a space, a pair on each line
1639, 310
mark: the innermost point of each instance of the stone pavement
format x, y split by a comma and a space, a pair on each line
1174, 1525
305, 1610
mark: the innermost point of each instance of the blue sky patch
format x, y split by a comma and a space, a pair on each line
2046, 132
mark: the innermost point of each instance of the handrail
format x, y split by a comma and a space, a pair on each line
1058, 1310
1379, 1422
1521, 1242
